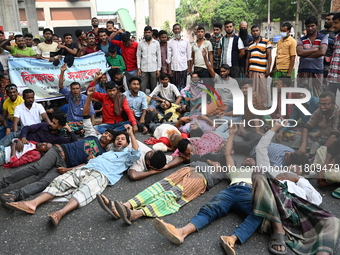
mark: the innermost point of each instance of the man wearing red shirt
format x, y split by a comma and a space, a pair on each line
129, 52
90, 48
114, 104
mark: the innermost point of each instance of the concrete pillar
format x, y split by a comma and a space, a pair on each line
31, 15
161, 11
9, 15
140, 17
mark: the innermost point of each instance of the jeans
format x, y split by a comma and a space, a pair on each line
229, 118
130, 74
237, 198
46, 167
222, 131
116, 127
7, 140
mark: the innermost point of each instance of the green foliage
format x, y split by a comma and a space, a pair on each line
147, 21
167, 28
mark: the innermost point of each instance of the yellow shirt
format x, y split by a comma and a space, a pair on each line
285, 49
9, 106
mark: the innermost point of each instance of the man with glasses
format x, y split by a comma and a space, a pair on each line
326, 120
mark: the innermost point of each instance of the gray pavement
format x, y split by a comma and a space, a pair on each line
89, 230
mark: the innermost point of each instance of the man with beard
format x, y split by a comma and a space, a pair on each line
90, 47
82, 184
311, 48
326, 119
19, 51
76, 101
95, 30
178, 58
246, 39
329, 30
48, 49
231, 49
222, 78
148, 60
58, 160
258, 63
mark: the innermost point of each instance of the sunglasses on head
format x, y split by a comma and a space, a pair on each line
11, 87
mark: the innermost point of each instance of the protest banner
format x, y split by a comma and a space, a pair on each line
43, 77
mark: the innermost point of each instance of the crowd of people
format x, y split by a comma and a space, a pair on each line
85, 142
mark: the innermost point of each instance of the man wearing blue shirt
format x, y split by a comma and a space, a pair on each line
75, 99
138, 104
81, 184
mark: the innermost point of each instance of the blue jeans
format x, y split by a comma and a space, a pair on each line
7, 140
229, 118
237, 198
116, 127
222, 131
130, 74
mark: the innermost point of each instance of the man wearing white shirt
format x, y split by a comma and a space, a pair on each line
178, 58
29, 112
166, 90
148, 60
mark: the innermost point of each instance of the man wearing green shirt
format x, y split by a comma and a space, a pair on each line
115, 60
21, 50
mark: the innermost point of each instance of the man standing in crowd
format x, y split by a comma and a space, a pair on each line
95, 30
81, 38
311, 48
91, 46
258, 63
329, 30
104, 42
285, 55
48, 49
231, 49
197, 59
21, 50
148, 60
179, 57
28, 40
215, 40
333, 74
129, 51
163, 41
246, 39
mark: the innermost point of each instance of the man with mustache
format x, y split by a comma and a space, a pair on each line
75, 99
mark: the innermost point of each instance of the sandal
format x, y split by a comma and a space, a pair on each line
279, 240
336, 193
124, 212
227, 245
55, 218
107, 207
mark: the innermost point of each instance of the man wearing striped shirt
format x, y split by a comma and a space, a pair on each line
258, 63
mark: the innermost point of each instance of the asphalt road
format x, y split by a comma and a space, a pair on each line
89, 230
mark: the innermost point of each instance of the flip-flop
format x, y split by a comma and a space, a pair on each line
124, 212
107, 208
279, 240
228, 248
55, 218
19, 206
167, 230
336, 193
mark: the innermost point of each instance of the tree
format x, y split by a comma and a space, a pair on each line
167, 28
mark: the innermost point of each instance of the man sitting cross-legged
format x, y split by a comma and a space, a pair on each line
58, 160
81, 184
